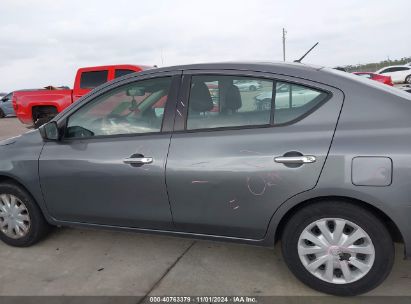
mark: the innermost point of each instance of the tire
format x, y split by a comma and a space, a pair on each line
36, 225
294, 243
408, 79
253, 88
2, 115
41, 121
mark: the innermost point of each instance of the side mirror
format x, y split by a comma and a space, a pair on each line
50, 131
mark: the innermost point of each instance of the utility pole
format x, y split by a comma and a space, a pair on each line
284, 32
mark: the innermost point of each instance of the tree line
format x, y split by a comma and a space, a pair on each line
372, 67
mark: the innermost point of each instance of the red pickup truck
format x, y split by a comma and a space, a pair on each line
36, 107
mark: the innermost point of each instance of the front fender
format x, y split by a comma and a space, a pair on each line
19, 161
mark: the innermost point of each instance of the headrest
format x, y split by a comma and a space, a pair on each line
233, 98
200, 98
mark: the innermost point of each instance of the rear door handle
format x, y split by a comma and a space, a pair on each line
138, 160
303, 159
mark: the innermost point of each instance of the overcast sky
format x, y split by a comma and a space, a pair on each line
43, 42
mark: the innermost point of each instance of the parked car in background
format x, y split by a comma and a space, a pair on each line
38, 106
6, 106
398, 73
317, 169
377, 77
247, 85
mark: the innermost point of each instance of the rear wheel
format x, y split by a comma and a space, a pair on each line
41, 121
21, 221
338, 248
408, 79
2, 115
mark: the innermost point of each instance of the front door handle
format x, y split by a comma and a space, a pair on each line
303, 159
138, 160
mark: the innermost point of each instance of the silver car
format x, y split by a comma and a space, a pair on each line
324, 166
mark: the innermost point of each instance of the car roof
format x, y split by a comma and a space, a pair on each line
252, 65
280, 68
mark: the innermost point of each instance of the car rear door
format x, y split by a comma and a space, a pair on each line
228, 171
109, 169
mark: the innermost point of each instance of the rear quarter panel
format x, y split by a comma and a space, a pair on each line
373, 123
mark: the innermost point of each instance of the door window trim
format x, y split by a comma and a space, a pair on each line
181, 117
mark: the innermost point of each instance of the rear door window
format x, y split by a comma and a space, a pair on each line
91, 80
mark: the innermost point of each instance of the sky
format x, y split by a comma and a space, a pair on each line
44, 42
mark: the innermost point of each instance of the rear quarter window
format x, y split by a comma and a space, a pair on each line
293, 101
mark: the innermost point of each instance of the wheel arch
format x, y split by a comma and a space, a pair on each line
43, 109
385, 219
13, 180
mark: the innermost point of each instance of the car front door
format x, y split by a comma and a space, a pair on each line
109, 167
228, 171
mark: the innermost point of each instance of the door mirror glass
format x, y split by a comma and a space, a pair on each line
50, 131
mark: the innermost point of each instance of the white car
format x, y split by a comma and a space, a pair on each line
248, 85
299, 97
398, 73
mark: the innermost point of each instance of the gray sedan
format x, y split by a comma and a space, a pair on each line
323, 164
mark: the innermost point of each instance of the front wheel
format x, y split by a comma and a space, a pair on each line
338, 248
21, 220
408, 79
